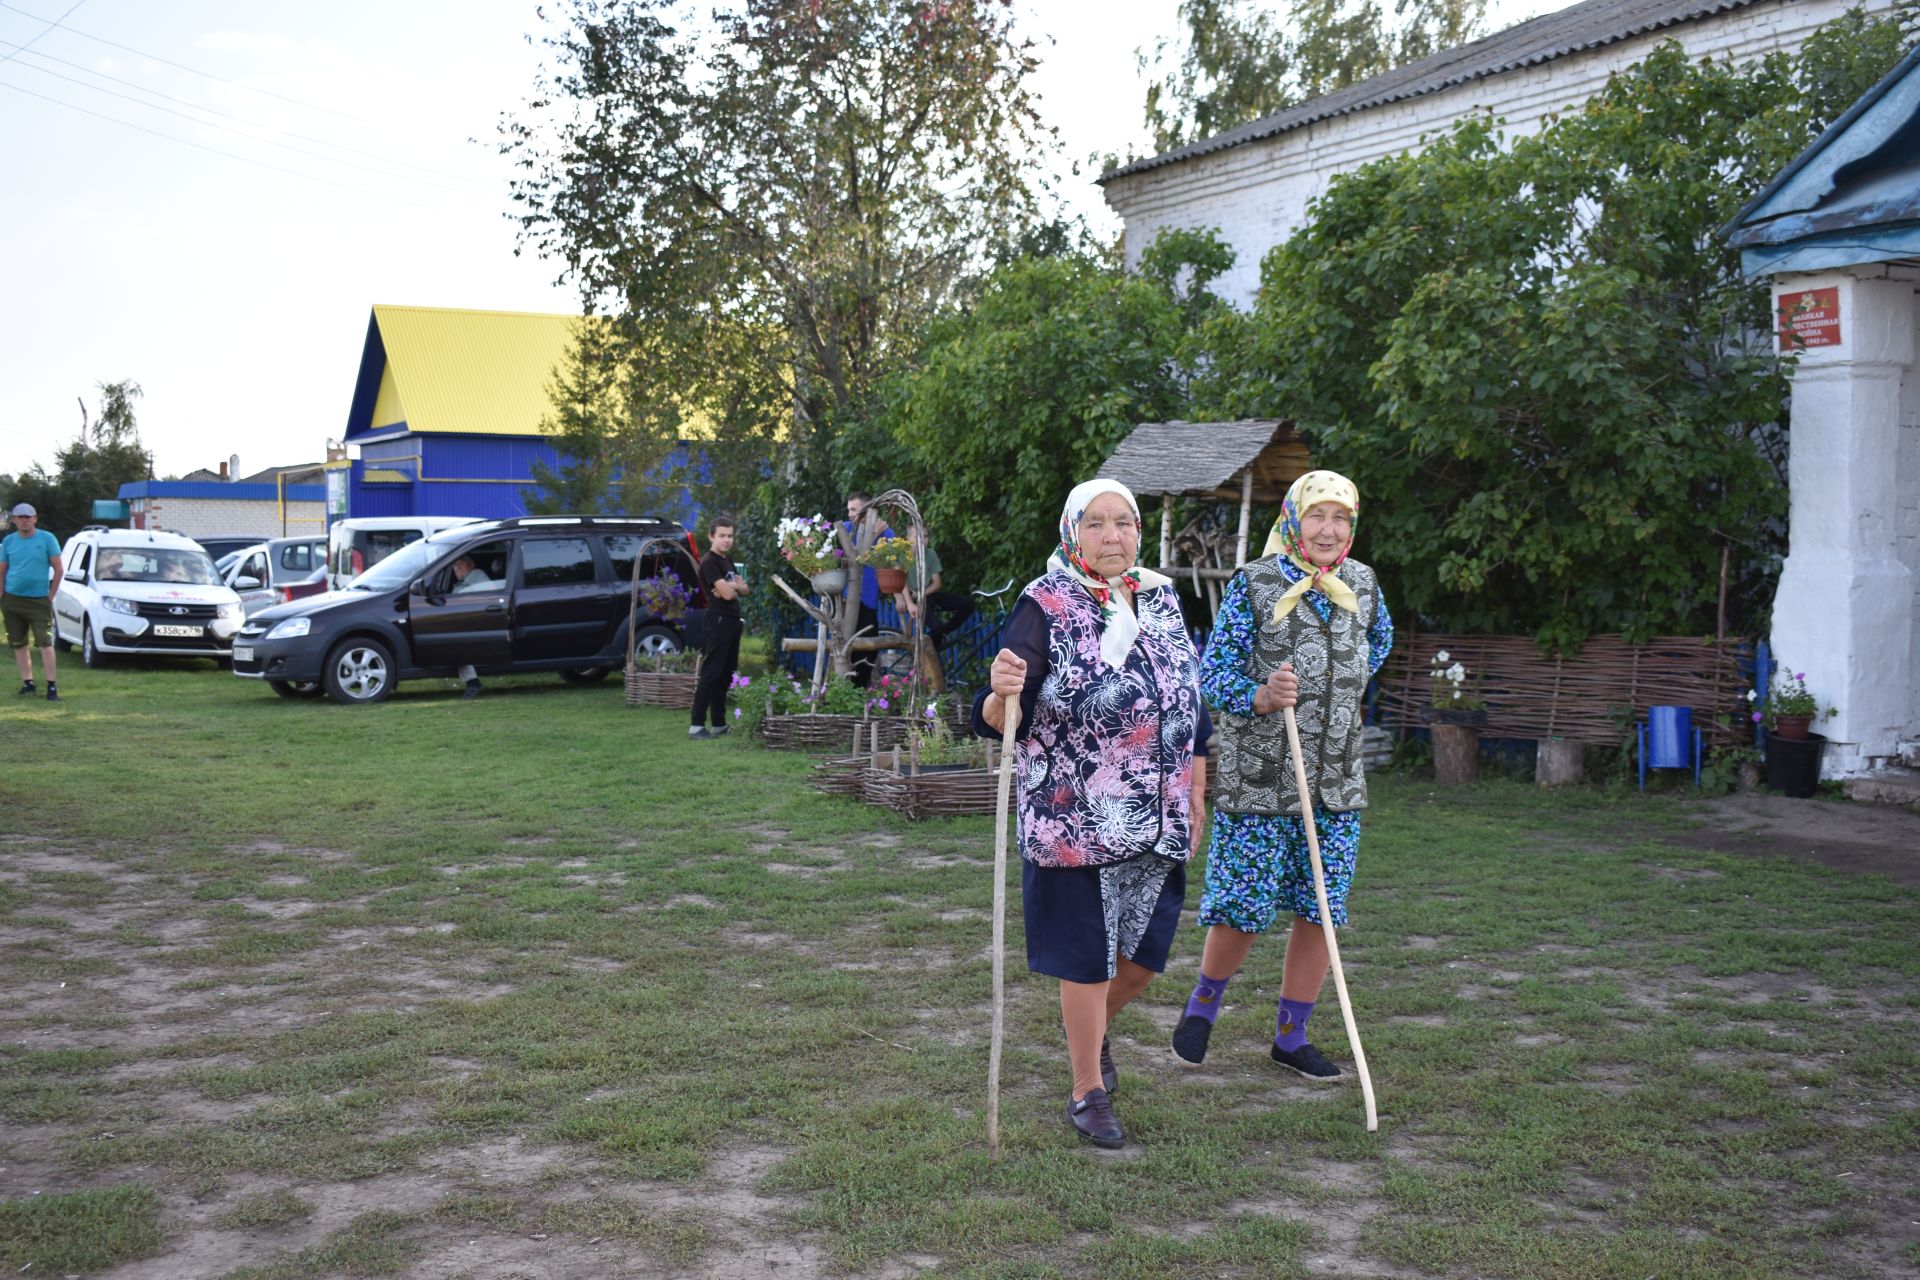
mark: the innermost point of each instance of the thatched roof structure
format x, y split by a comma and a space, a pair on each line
1209, 459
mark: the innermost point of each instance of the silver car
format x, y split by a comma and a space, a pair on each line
278, 571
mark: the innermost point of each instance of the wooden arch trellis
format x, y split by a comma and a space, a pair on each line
1251, 461
838, 616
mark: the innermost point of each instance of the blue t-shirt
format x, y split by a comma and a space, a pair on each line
869, 580
29, 562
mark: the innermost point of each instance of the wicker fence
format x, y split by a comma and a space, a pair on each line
1592, 698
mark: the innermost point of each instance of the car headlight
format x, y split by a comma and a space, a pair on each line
290, 628
234, 610
114, 604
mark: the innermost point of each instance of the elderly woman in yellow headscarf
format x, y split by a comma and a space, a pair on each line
1304, 626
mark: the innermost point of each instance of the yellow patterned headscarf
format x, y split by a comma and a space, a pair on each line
1307, 492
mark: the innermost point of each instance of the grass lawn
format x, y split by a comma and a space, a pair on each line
534, 987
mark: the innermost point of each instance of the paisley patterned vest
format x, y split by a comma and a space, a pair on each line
1107, 765
1330, 657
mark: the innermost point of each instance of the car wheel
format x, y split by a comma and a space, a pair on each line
655, 641
359, 670
296, 689
90, 655
585, 675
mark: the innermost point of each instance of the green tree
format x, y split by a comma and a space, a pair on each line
789, 187
1023, 396
1236, 62
106, 454
1540, 362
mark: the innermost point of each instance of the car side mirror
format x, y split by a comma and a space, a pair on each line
246, 584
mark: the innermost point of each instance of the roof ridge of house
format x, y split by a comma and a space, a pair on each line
1545, 38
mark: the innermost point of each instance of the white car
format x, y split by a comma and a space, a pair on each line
278, 571
356, 545
129, 591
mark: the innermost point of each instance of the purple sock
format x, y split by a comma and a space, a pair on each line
1205, 1000
1290, 1032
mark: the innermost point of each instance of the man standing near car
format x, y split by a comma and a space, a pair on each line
33, 572
721, 653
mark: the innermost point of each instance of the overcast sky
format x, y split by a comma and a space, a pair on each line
208, 196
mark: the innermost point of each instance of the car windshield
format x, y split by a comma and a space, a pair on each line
156, 564
398, 569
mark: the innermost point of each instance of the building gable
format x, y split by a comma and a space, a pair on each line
441, 370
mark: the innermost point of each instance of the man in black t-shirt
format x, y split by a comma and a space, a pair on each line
721, 653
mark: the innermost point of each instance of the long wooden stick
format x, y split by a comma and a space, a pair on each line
1326, 919
1012, 713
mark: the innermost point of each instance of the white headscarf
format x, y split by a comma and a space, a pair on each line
1120, 627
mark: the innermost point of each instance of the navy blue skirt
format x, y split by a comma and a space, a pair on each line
1082, 920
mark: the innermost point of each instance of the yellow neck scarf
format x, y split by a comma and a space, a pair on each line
1310, 489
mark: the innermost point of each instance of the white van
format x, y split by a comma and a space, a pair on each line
355, 546
142, 591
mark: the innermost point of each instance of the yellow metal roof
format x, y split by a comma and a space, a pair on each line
469, 372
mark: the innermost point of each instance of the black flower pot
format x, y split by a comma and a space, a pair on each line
1793, 764
1476, 718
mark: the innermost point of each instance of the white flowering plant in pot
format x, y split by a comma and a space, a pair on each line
1453, 692
809, 544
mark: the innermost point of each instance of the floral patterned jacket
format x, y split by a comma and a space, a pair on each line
1105, 757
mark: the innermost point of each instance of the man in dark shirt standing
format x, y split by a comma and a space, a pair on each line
721, 653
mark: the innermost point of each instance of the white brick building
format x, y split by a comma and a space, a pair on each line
220, 509
1253, 183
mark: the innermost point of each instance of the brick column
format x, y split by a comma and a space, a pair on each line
1845, 609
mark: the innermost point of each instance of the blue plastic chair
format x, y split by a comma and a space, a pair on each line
1665, 736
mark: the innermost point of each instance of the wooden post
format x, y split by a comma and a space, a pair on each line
1456, 754
1166, 531
1720, 628
1560, 762
1246, 517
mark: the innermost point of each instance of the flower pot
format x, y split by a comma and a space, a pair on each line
1792, 728
829, 582
891, 580
1793, 764
1456, 754
1454, 716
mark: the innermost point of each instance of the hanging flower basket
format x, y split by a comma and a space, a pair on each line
829, 582
891, 581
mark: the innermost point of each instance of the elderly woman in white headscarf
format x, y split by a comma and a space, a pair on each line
1111, 792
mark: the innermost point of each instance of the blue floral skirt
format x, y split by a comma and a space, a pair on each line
1258, 866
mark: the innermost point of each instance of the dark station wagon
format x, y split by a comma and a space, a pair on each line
557, 600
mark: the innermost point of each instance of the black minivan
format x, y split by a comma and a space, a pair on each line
555, 598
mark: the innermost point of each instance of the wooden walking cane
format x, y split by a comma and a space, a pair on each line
1326, 919
1012, 706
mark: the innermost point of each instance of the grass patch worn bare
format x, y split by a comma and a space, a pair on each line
534, 985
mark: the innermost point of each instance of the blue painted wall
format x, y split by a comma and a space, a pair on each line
489, 477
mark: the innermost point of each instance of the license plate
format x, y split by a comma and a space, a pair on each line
241, 653
177, 631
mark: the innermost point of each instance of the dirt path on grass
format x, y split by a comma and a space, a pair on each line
1857, 838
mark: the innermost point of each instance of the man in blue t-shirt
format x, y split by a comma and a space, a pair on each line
31, 557
867, 622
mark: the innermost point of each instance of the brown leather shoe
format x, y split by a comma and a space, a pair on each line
1109, 1074
1093, 1117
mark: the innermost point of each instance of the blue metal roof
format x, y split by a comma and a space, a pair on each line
221, 489
1852, 197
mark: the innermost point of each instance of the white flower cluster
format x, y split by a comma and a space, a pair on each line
1455, 675
794, 532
